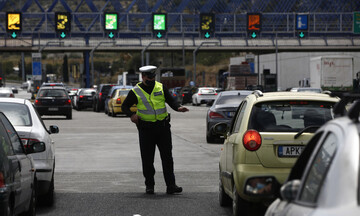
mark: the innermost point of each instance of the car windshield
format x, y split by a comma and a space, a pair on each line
105, 90
52, 93
18, 114
124, 92
289, 116
230, 99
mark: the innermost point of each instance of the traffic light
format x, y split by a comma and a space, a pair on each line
13, 23
253, 24
302, 21
207, 25
159, 24
62, 23
111, 24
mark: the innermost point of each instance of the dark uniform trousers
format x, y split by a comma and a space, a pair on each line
152, 134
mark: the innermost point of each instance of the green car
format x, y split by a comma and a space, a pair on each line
265, 138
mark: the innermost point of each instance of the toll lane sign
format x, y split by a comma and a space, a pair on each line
302, 22
13, 21
356, 22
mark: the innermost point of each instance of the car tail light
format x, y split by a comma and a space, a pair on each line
26, 142
215, 93
37, 102
213, 115
2, 180
199, 94
68, 102
100, 94
183, 95
252, 140
118, 101
81, 96
11, 95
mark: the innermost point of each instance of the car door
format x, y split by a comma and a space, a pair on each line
25, 163
229, 143
314, 176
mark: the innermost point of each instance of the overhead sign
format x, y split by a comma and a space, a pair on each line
36, 66
63, 21
302, 21
207, 24
356, 22
111, 23
159, 24
253, 24
13, 21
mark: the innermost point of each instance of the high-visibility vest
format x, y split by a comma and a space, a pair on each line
151, 107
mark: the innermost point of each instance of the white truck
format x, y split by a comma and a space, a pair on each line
333, 73
129, 79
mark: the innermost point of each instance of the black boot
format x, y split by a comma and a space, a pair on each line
173, 189
149, 190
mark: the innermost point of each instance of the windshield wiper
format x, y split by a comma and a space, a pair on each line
306, 129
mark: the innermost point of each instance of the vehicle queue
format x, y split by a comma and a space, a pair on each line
263, 135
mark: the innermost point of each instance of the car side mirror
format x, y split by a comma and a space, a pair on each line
220, 129
54, 129
35, 147
290, 190
262, 186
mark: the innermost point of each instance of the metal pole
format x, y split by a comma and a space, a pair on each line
92, 59
23, 66
276, 65
194, 58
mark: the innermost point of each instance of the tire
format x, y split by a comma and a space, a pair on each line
239, 206
113, 114
210, 139
48, 198
224, 199
69, 115
97, 107
32, 206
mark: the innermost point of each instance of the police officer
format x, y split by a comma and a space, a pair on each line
153, 123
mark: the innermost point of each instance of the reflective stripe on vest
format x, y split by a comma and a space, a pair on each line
145, 109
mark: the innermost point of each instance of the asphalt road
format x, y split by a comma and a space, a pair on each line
98, 167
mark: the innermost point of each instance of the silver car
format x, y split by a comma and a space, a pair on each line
31, 128
326, 177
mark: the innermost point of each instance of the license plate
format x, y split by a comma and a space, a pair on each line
230, 114
53, 109
290, 151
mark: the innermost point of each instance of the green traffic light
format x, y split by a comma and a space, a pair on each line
62, 35
13, 35
253, 35
207, 35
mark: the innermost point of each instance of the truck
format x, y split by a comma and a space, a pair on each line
129, 78
333, 73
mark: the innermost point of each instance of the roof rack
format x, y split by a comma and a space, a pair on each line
354, 111
258, 93
339, 108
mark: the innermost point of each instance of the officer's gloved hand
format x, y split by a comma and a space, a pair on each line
135, 118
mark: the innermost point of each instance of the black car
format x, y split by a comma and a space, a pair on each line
186, 94
17, 172
84, 98
53, 100
223, 110
99, 98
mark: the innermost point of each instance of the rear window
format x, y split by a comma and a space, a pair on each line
87, 92
230, 99
18, 114
289, 116
124, 92
207, 91
52, 93
105, 89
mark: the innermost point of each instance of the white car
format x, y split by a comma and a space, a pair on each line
204, 95
31, 128
325, 180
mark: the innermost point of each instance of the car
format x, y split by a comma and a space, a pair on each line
84, 98
18, 176
263, 143
203, 95
111, 92
175, 93
53, 100
100, 96
325, 178
31, 128
186, 94
72, 92
116, 100
306, 89
6, 92
223, 110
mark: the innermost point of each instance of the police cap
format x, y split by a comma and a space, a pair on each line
149, 71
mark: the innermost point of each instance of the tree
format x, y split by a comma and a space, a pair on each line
65, 69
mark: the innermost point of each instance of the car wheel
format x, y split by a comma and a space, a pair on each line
32, 206
9, 209
224, 199
97, 107
210, 139
49, 196
69, 116
113, 114
239, 206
